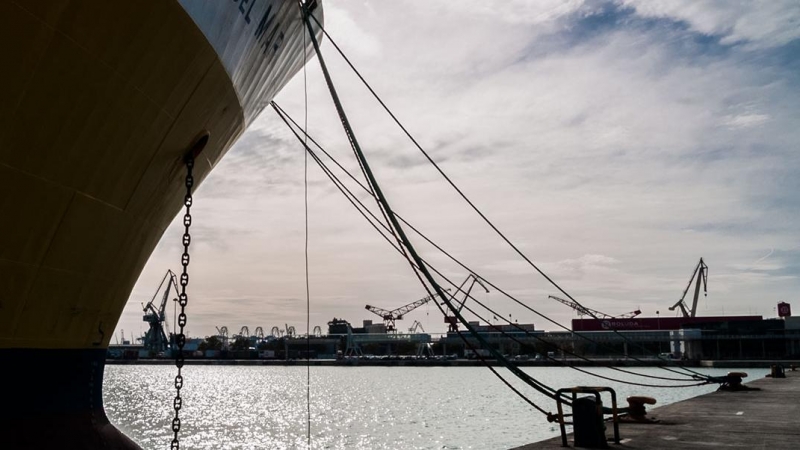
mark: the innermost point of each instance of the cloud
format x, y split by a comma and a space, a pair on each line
517, 11
756, 24
595, 136
745, 120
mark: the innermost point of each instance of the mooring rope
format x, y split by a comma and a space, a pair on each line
374, 222
419, 268
364, 211
305, 250
473, 206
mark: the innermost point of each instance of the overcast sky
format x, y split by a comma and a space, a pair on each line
615, 143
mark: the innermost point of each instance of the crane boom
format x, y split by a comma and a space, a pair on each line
403, 310
701, 273
389, 317
386, 315
584, 311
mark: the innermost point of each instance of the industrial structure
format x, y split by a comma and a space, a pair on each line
451, 320
601, 335
693, 338
701, 273
390, 317
155, 339
584, 311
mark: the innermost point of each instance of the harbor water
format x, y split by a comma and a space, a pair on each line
255, 407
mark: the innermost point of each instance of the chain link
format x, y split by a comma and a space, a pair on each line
183, 299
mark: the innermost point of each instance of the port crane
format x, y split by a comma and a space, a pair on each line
701, 273
415, 327
352, 349
155, 340
452, 321
423, 340
584, 311
389, 317
223, 336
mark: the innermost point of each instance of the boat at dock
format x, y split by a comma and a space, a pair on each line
102, 102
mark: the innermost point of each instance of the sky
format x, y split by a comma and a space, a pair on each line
614, 142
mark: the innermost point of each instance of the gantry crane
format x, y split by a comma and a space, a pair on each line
701, 273
155, 340
259, 333
223, 336
389, 317
584, 311
452, 321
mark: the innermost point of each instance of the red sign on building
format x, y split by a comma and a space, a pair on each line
651, 323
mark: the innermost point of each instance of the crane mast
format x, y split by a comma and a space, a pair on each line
701, 274
584, 311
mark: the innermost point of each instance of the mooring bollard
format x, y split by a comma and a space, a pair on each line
637, 410
776, 371
587, 416
588, 427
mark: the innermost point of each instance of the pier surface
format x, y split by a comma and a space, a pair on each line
765, 419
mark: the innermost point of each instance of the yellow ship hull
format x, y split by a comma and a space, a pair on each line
100, 101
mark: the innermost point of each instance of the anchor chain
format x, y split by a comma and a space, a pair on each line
183, 299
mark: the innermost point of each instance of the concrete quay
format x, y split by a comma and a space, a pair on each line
764, 419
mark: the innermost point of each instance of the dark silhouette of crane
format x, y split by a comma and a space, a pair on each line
222, 332
389, 317
155, 340
701, 273
584, 311
259, 334
415, 327
452, 321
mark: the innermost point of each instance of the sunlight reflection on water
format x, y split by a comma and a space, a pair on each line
255, 407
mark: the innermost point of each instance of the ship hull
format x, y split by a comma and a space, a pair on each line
57, 401
100, 103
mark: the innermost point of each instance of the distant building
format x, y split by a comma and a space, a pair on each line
753, 339
507, 339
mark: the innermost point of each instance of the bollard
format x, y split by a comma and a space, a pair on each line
735, 379
588, 427
776, 371
637, 410
733, 382
587, 416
